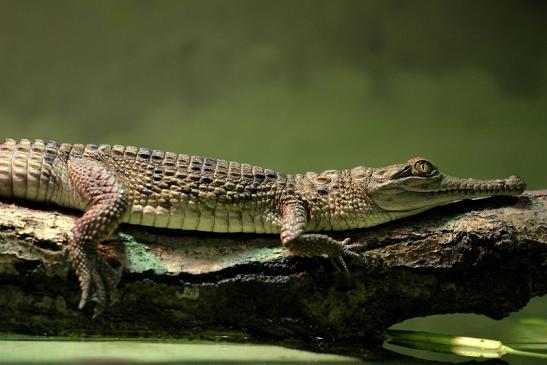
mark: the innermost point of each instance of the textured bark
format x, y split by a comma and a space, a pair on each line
487, 256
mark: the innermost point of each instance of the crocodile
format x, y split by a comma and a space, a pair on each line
113, 184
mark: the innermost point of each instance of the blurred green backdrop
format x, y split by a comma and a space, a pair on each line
291, 85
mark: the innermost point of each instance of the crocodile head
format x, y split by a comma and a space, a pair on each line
417, 185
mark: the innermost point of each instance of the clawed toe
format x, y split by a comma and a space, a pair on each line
110, 278
339, 264
84, 298
354, 246
347, 248
102, 279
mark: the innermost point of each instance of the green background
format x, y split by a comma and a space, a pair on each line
289, 85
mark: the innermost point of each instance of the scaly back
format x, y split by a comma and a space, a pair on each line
189, 190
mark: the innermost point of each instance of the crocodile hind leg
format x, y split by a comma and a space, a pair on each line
107, 203
294, 220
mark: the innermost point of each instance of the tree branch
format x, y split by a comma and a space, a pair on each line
487, 256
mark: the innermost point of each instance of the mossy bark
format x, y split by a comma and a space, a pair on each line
487, 256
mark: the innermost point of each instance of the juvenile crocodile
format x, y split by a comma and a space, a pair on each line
115, 184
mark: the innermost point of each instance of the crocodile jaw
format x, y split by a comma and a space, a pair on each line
418, 194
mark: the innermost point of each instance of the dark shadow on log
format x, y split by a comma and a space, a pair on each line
487, 257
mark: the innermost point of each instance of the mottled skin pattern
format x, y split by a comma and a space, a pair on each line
114, 184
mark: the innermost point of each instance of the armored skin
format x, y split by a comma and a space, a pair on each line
117, 184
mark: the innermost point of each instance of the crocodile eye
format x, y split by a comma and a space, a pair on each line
424, 168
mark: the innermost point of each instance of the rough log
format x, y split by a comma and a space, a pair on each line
487, 256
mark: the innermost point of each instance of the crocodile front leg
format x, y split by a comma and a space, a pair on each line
294, 220
108, 202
